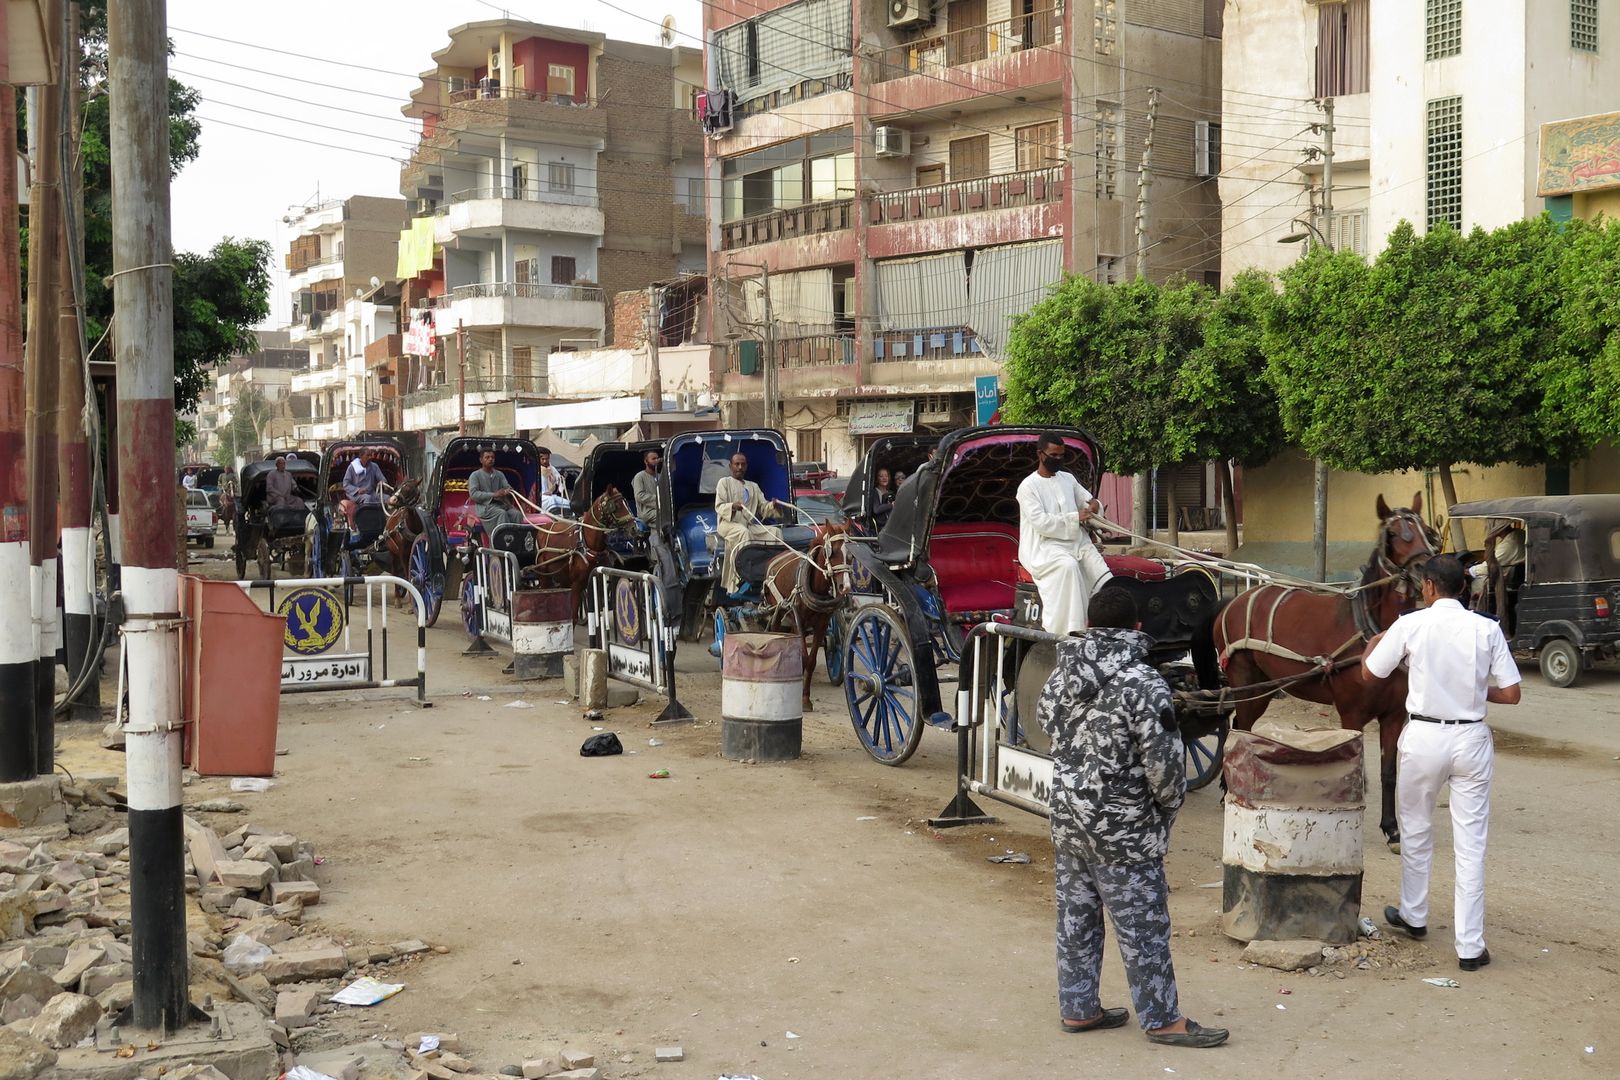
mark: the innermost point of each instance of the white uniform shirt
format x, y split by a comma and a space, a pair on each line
1450, 653
1047, 525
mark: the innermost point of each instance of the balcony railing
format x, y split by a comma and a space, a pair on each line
937, 343
527, 193
485, 385
295, 266
970, 44
489, 93
524, 290
812, 351
1027, 188
822, 217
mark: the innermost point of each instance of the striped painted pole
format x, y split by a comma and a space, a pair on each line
143, 297
18, 657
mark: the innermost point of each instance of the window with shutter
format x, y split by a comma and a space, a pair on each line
560, 79
970, 158
560, 177
562, 270
1038, 146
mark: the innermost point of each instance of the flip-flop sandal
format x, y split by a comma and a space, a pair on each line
1108, 1018
1195, 1035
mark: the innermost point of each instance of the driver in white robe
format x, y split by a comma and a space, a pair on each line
1053, 544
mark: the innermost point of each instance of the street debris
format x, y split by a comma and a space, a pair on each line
1367, 927
1015, 857
366, 991
1449, 984
669, 1053
655, 742
603, 745
661, 774
517, 703
250, 783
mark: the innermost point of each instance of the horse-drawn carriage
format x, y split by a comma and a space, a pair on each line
343, 539
272, 535
946, 561
613, 466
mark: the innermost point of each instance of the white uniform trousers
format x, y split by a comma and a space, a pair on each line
1432, 756
1066, 586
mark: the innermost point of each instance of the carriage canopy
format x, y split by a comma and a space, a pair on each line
390, 458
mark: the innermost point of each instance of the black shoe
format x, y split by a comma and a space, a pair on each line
1392, 915
1474, 963
1196, 1035
1108, 1018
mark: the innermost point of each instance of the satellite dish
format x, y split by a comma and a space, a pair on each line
666, 31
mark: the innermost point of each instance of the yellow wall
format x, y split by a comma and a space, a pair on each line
1589, 204
1598, 474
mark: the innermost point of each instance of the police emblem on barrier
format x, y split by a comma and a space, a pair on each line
315, 619
627, 612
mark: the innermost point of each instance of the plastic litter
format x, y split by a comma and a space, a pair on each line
603, 745
793, 1035
661, 774
250, 783
518, 704
366, 991
655, 742
1368, 929
1016, 857
244, 954
485, 697
304, 1072
868, 818
430, 1043
1449, 984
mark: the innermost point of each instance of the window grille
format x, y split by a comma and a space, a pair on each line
1105, 26
1443, 30
1445, 192
1108, 149
1583, 25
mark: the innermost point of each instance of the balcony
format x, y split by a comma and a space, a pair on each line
314, 272
314, 325
959, 66
935, 55
1007, 190
814, 351
384, 350
811, 220
560, 117
486, 211
319, 431
440, 406
511, 303
325, 215
326, 378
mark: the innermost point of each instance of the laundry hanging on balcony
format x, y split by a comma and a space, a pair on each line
714, 108
798, 43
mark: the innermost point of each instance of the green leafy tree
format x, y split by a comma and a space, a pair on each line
243, 436
1586, 389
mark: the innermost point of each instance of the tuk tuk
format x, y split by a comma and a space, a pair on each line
1550, 574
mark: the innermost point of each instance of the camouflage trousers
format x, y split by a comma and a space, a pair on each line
1137, 899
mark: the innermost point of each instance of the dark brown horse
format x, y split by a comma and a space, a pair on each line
806, 590
404, 526
567, 551
1282, 634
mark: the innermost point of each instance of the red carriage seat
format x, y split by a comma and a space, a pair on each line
1134, 566
974, 564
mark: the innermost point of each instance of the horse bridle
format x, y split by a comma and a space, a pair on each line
1407, 578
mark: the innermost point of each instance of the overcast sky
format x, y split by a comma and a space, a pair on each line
268, 143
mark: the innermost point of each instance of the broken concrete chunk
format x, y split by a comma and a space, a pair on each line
217, 898
537, 1068
66, 1019
205, 849
244, 908
669, 1053
577, 1074
285, 846
25, 1007
249, 874
410, 948
447, 1040
23, 1057
577, 1059
306, 891
454, 1062
26, 979
317, 963
294, 1008
80, 959
1294, 955
98, 979
195, 1072
338, 1064
116, 998
299, 869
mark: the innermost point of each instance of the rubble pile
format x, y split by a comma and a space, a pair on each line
66, 968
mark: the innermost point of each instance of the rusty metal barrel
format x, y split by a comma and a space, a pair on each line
761, 697
1292, 853
542, 632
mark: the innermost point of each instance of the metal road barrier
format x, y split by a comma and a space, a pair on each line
988, 728
625, 617
496, 581
320, 619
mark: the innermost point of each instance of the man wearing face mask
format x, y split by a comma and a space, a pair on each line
645, 486
1053, 544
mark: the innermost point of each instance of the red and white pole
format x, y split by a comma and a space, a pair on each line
143, 298
18, 655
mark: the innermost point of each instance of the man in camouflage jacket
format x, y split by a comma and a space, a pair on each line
1119, 776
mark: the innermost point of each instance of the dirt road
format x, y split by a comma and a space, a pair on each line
730, 904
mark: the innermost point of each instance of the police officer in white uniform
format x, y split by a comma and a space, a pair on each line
1453, 657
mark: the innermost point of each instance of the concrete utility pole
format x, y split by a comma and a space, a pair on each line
1319, 467
18, 654
1141, 490
143, 297
461, 364
655, 377
43, 364
73, 501
771, 420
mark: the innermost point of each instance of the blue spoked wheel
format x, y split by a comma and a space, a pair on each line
833, 648
469, 606
428, 577
1204, 756
880, 684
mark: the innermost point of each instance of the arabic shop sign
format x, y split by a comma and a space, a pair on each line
882, 417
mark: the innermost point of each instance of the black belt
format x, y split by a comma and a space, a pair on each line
1437, 720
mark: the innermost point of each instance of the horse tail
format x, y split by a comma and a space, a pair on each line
1206, 659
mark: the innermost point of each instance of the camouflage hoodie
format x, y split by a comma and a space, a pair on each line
1120, 771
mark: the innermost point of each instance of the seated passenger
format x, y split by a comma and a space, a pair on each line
740, 510
281, 489
492, 495
1053, 544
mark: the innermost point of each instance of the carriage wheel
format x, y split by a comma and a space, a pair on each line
880, 684
423, 575
240, 551
1204, 755
469, 606
833, 648
266, 565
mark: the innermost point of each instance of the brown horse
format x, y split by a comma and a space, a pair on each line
1311, 642
806, 590
404, 526
567, 551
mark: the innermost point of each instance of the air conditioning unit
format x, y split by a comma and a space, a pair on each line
1206, 148
457, 83
910, 12
892, 142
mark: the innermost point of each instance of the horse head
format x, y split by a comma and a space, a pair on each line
611, 511
1405, 543
830, 553
407, 495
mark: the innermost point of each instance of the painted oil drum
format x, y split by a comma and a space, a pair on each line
1292, 852
761, 697
542, 632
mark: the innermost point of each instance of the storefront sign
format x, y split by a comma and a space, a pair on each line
986, 398
882, 417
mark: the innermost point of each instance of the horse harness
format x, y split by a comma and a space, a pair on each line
801, 591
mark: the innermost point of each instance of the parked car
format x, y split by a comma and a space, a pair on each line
202, 521
818, 506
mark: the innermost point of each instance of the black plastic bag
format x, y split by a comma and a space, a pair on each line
604, 745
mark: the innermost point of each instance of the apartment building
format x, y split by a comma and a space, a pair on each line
555, 168
1441, 122
269, 372
900, 180
342, 251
